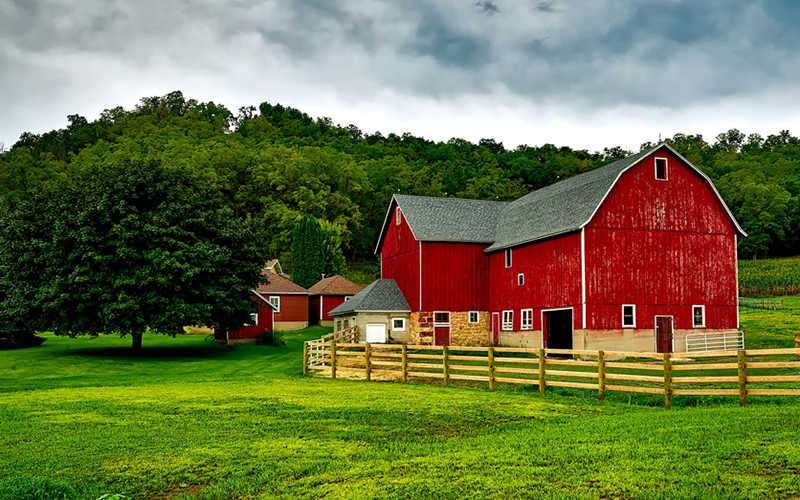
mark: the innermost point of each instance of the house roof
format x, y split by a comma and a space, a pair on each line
271, 263
380, 295
334, 285
562, 207
279, 285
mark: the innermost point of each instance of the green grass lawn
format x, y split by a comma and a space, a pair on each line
187, 418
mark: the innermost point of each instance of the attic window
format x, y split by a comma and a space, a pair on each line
397, 216
508, 258
661, 169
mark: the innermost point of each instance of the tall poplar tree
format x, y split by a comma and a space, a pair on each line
308, 254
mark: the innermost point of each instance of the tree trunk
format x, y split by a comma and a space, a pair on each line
137, 341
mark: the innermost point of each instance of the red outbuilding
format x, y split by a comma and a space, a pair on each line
634, 255
327, 294
290, 301
261, 321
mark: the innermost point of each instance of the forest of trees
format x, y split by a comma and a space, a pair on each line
275, 164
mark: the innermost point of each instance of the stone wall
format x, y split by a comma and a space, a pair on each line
462, 332
529, 339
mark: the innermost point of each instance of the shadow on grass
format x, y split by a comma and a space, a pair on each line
210, 351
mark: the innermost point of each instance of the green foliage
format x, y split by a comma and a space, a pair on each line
308, 252
269, 337
775, 276
127, 246
29, 488
333, 261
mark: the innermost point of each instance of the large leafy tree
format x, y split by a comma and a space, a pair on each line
308, 253
128, 246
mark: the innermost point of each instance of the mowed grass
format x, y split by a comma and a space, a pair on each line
187, 418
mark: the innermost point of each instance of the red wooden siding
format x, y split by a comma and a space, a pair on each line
454, 277
313, 309
264, 323
552, 270
293, 308
400, 259
663, 246
328, 303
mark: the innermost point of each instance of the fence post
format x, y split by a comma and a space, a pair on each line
601, 375
797, 340
405, 362
667, 382
445, 368
742, 379
367, 364
333, 358
305, 358
541, 372
491, 368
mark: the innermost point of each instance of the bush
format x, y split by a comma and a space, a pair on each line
269, 337
17, 339
30, 488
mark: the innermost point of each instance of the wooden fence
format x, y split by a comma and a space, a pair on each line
765, 303
761, 372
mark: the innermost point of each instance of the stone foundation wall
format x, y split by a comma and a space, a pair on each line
632, 339
529, 339
462, 332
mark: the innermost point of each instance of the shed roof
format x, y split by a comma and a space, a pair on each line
380, 295
279, 285
334, 285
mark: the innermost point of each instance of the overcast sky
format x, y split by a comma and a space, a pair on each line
585, 74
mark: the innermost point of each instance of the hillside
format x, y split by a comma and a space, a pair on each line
275, 163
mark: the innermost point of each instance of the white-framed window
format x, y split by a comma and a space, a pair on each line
474, 316
699, 316
338, 325
347, 298
441, 318
628, 316
398, 324
346, 324
275, 301
398, 216
520, 279
527, 319
661, 169
508, 321
253, 320
508, 257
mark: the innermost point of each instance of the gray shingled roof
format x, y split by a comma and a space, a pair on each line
380, 295
450, 219
558, 208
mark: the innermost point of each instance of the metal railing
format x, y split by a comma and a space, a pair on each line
715, 341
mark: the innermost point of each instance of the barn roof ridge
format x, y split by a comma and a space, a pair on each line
380, 295
559, 208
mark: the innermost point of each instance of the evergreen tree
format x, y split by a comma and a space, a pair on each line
333, 257
307, 252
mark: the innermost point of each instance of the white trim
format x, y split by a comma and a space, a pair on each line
441, 324
384, 227
398, 215
510, 323
703, 313
477, 317
634, 315
286, 293
583, 277
321, 308
277, 306
522, 319
492, 323
398, 329
253, 319
520, 279
264, 299
666, 168
655, 330
571, 323
508, 257
420, 275
736, 267
523, 243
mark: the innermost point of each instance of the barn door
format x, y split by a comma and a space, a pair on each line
496, 328
664, 333
557, 332
441, 328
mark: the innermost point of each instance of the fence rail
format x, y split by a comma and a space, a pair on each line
720, 373
715, 341
767, 303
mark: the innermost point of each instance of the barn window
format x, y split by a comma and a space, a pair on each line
253, 320
527, 319
661, 169
346, 324
628, 316
275, 301
508, 258
520, 279
339, 325
397, 216
508, 321
441, 319
398, 324
474, 316
699, 316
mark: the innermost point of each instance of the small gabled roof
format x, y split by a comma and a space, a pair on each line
334, 285
274, 266
265, 300
279, 285
380, 295
445, 219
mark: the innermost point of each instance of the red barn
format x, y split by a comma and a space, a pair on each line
327, 294
290, 301
634, 255
261, 321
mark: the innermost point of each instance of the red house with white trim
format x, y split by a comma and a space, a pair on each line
634, 255
326, 294
290, 301
261, 321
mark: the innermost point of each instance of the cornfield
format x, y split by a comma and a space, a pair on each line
779, 276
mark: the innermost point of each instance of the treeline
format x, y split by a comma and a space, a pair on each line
274, 164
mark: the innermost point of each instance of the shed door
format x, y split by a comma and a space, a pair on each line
664, 333
376, 333
441, 328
